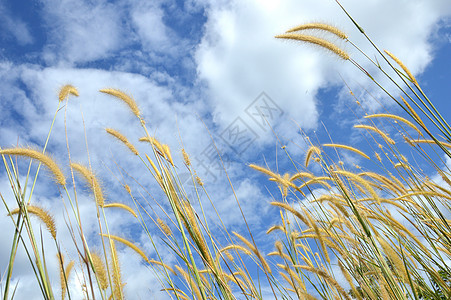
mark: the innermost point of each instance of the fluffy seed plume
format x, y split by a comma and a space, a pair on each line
320, 26
320, 236
378, 131
168, 154
164, 227
66, 91
327, 277
100, 271
186, 158
92, 181
124, 97
349, 280
263, 170
256, 252
158, 174
199, 181
360, 180
64, 275
43, 215
291, 210
154, 142
317, 41
123, 139
122, 206
235, 247
284, 182
301, 175
413, 112
129, 244
117, 277
43, 158
347, 148
403, 66
397, 118
156, 262
392, 254
190, 282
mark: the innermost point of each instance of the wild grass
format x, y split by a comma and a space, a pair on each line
344, 232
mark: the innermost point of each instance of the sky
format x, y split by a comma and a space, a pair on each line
200, 70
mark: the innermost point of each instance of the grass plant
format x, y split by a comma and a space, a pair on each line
371, 233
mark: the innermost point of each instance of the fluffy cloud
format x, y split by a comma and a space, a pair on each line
14, 27
82, 31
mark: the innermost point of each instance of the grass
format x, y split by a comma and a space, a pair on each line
344, 232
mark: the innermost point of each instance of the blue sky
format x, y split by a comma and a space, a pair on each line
196, 64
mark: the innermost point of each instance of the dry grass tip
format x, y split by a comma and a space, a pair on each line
320, 26
92, 181
43, 158
129, 244
123, 139
124, 97
67, 90
122, 206
316, 41
43, 215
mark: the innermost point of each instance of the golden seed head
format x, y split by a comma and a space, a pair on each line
414, 113
100, 270
66, 91
186, 158
168, 154
291, 209
122, 206
392, 254
199, 181
378, 131
255, 250
124, 97
164, 227
123, 139
401, 64
129, 244
279, 246
43, 158
127, 188
229, 256
154, 142
64, 274
92, 182
396, 118
117, 278
317, 41
347, 148
378, 156
43, 215
320, 26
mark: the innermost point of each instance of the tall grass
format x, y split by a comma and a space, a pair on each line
344, 232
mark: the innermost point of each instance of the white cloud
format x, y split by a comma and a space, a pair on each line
148, 19
82, 31
13, 26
